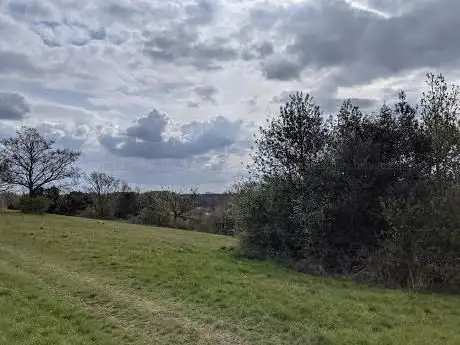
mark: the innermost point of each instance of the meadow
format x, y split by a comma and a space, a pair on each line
66, 280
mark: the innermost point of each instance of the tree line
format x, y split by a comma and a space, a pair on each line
370, 196
31, 162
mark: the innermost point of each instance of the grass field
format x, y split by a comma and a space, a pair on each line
77, 281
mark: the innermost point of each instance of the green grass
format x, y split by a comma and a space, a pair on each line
77, 281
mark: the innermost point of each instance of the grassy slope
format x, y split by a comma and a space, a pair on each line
77, 281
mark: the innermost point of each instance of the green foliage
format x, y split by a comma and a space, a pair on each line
34, 204
264, 222
422, 249
73, 203
374, 195
126, 204
220, 221
160, 208
153, 210
53, 195
103, 188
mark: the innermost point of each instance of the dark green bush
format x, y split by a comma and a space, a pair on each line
423, 248
372, 196
34, 204
73, 204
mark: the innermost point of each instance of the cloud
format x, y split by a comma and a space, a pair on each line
282, 98
192, 104
70, 137
393, 7
201, 12
149, 128
251, 102
16, 63
87, 70
206, 93
13, 106
281, 69
258, 50
183, 46
185, 42
360, 45
20, 9
148, 138
55, 34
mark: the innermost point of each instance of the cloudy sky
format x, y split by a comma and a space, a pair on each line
168, 93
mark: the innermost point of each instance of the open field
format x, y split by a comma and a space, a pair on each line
77, 281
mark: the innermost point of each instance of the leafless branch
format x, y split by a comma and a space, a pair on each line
33, 163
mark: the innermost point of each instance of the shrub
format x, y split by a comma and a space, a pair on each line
375, 196
35, 204
264, 223
220, 221
422, 251
89, 212
72, 204
152, 215
10, 200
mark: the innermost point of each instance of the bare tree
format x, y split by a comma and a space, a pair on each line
180, 203
31, 161
101, 186
124, 187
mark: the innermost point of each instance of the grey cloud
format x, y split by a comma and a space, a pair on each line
206, 93
385, 4
183, 46
252, 101
55, 34
16, 63
192, 13
201, 12
258, 51
29, 9
265, 49
359, 45
82, 131
13, 106
149, 128
192, 104
281, 69
153, 142
125, 11
120, 10
265, 17
46, 20
181, 42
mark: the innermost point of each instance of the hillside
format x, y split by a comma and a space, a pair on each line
77, 281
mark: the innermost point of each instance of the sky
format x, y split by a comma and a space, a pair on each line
168, 94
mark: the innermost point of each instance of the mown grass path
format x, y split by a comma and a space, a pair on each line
77, 281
